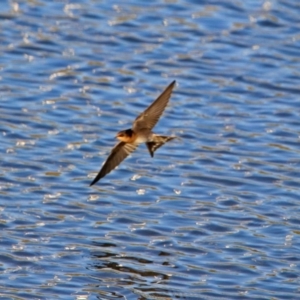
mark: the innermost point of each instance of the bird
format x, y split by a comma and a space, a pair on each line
141, 132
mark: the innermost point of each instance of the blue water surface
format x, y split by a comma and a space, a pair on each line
214, 215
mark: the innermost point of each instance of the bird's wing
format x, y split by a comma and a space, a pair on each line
148, 118
117, 155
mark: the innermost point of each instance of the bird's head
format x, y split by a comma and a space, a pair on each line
125, 135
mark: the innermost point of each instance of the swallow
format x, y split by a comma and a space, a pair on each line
141, 132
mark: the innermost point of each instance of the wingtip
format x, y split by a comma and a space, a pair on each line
93, 182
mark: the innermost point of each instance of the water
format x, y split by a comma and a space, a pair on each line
214, 215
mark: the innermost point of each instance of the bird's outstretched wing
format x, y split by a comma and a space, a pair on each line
117, 155
148, 118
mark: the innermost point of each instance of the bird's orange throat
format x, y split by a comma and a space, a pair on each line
127, 136
126, 139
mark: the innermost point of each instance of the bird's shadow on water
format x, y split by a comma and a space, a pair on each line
123, 274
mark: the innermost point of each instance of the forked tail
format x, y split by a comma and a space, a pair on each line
157, 142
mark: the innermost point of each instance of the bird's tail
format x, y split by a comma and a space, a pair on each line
157, 142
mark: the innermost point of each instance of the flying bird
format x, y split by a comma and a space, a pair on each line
141, 132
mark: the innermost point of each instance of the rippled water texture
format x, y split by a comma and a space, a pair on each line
214, 215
